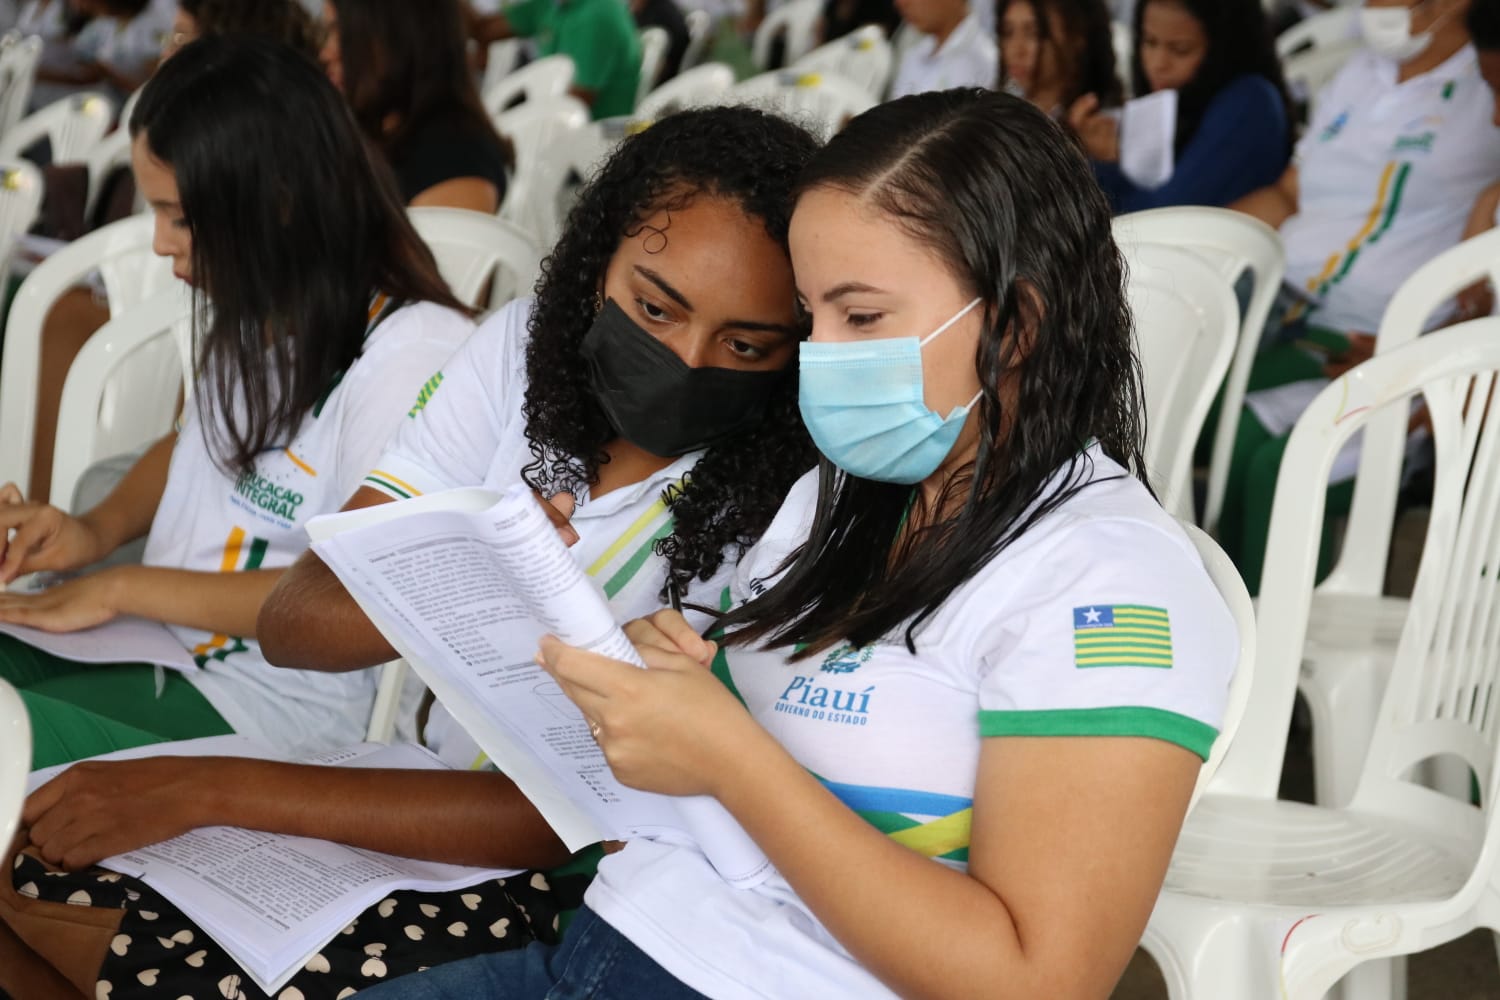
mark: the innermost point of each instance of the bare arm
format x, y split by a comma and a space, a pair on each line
492, 28
309, 621
1275, 204
100, 808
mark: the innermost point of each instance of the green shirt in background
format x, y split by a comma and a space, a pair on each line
598, 35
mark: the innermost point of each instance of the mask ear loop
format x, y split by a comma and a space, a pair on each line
960, 315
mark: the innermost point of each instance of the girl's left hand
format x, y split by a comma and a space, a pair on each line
1099, 133
673, 728
70, 606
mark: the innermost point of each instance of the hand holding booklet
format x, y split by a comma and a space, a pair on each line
463, 584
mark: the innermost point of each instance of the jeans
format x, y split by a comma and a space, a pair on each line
593, 962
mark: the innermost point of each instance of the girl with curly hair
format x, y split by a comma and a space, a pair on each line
648, 391
1052, 52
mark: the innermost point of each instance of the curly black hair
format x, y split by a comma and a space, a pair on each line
739, 153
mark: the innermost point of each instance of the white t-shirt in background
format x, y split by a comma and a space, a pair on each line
1387, 174
1100, 620
969, 58
210, 521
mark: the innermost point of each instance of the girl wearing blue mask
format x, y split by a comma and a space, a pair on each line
971, 668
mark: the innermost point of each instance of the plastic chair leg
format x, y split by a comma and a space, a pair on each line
1344, 699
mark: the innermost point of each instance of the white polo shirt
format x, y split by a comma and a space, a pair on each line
212, 522
968, 58
1099, 621
1387, 174
467, 429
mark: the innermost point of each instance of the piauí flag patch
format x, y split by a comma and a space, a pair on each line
1121, 635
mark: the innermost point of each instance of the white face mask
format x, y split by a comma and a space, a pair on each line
1387, 31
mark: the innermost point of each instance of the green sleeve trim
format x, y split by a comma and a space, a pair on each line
1129, 720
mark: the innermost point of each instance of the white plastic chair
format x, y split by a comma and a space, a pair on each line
474, 249
654, 45
700, 25
701, 85
20, 199
1233, 243
536, 81
108, 155
15, 760
1279, 899
545, 135
503, 58
1331, 28
1186, 325
387, 705
795, 22
863, 56
18, 62
98, 417
1353, 633
73, 126
121, 254
823, 102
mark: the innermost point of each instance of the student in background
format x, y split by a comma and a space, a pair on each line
1052, 52
404, 70
119, 48
285, 21
1385, 178
328, 313
957, 51
598, 35
924, 709
1233, 132
676, 252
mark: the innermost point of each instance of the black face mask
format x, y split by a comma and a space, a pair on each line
656, 401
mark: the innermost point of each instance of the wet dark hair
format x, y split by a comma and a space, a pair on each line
1005, 198
1240, 43
1483, 20
738, 153
293, 226
285, 21
1088, 21
407, 62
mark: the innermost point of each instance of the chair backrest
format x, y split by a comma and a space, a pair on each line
1186, 325
18, 61
823, 102
863, 56
796, 23
475, 250
1234, 244
654, 45
1361, 567
121, 253
1441, 694
15, 759
543, 133
98, 417
546, 78
1232, 589
108, 155
706, 84
1335, 27
21, 190
1309, 71
73, 126
502, 59
700, 25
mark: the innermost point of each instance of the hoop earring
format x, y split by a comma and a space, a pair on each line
598, 303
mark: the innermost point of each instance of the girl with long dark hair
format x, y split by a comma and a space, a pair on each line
1052, 52
675, 255
319, 311
972, 667
1234, 125
404, 69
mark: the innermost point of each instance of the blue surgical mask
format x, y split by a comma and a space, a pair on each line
862, 403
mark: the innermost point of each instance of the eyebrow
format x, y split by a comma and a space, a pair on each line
849, 288
735, 324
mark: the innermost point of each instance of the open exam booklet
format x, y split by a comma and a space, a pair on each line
272, 901
463, 584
